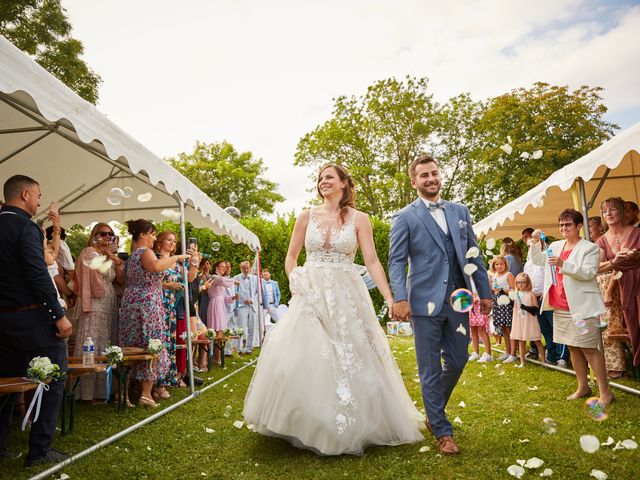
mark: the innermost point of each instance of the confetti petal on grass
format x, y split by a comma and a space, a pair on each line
503, 300
506, 148
521, 462
629, 444
618, 446
523, 440
64, 476
238, 424
145, 197
617, 276
461, 329
532, 389
547, 472
515, 471
525, 155
537, 155
508, 138
479, 375
610, 441
148, 448
462, 404
209, 430
473, 252
430, 308
491, 243
598, 474
457, 420
424, 449
589, 443
470, 268
534, 462
506, 421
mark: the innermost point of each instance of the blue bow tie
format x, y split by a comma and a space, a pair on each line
433, 206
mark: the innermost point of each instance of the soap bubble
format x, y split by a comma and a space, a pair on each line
215, 246
595, 410
461, 300
233, 198
117, 192
127, 192
234, 212
114, 200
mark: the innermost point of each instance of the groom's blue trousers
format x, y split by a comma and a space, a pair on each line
441, 352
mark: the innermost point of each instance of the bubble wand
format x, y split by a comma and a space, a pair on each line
543, 240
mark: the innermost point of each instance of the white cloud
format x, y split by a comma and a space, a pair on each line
261, 74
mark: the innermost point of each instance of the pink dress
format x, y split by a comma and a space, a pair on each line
216, 310
525, 325
476, 317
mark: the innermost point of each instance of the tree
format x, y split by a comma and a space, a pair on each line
375, 136
220, 171
41, 29
564, 125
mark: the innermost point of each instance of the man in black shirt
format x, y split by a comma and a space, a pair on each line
32, 322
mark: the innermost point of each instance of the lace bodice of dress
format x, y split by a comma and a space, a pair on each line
330, 242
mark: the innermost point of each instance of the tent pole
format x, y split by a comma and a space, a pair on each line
585, 208
598, 188
187, 313
24, 147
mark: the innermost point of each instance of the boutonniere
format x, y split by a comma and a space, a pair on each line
462, 224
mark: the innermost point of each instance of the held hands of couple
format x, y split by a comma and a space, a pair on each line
400, 310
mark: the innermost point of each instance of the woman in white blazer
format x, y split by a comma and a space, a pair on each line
575, 300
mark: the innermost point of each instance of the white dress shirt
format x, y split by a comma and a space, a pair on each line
438, 216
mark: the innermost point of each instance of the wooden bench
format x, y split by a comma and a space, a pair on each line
74, 372
10, 385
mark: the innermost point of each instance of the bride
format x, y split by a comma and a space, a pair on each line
325, 379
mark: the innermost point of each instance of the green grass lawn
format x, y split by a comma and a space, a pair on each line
501, 422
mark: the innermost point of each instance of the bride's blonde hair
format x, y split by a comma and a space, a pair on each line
348, 192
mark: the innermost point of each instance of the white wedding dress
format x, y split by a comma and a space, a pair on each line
326, 379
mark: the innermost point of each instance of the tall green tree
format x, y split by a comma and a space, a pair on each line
563, 124
41, 29
375, 136
221, 172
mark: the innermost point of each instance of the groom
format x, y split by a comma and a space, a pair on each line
433, 237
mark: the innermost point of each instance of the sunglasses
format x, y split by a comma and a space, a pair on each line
565, 225
105, 234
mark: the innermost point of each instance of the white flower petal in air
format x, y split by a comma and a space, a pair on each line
457, 420
97, 261
589, 443
534, 462
461, 329
617, 276
547, 472
470, 269
145, 197
515, 471
104, 268
424, 449
473, 252
462, 404
491, 243
238, 424
610, 441
506, 148
430, 308
503, 300
171, 214
598, 474
629, 444
537, 155
512, 295
525, 155
489, 253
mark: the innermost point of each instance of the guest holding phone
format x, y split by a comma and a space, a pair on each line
98, 269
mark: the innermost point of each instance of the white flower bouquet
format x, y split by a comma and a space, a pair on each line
41, 369
155, 346
382, 314
211, 333
239, 332
113, 354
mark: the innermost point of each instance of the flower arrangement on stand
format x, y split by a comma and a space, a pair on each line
114, 359
41, 371
155, 346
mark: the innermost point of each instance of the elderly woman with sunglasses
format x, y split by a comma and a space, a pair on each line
575, 300
98, 268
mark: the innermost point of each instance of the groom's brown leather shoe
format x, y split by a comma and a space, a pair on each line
447, 446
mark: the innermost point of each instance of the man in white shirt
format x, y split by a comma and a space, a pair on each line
555, 353
247, 309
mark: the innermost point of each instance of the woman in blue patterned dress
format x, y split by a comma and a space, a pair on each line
142, 315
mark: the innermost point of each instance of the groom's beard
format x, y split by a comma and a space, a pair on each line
430, 191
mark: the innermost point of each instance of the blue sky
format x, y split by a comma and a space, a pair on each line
262, 73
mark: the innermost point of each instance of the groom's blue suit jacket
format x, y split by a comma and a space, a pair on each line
416, 242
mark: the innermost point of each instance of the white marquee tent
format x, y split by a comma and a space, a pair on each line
49, 133
611, 170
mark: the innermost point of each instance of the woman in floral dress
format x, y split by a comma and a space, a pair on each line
142, 315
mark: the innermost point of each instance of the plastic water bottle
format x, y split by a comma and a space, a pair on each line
88, 352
